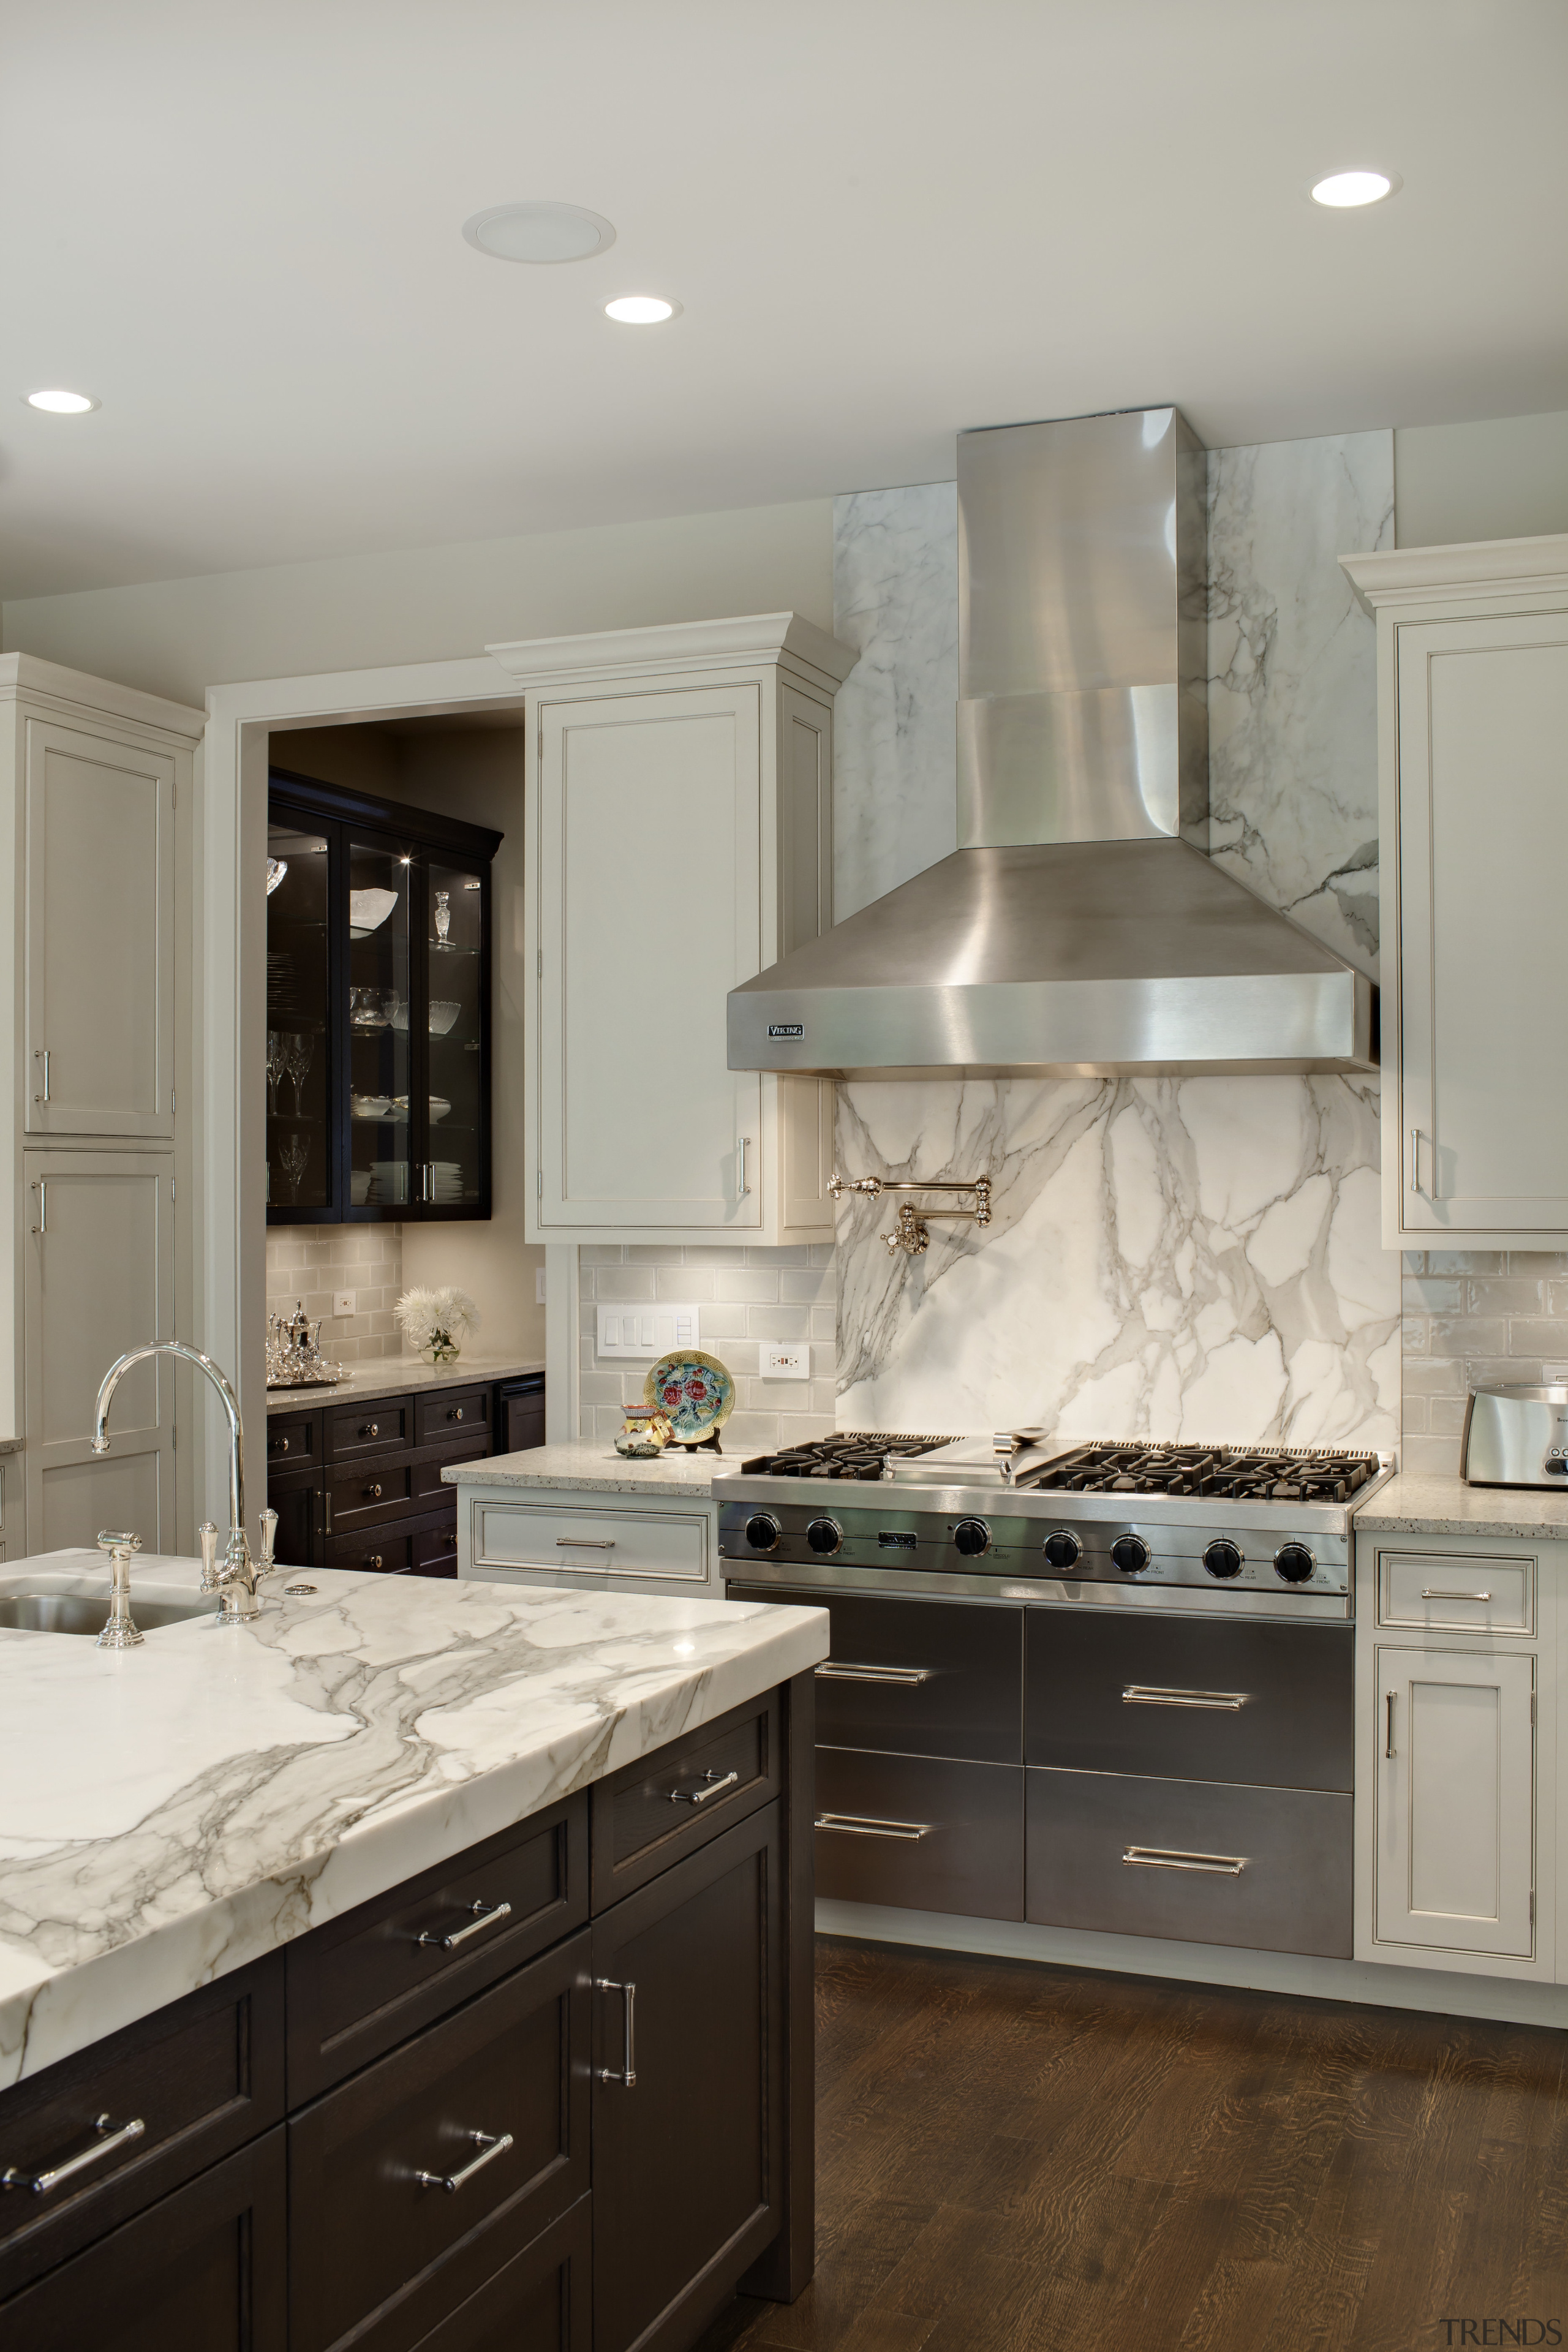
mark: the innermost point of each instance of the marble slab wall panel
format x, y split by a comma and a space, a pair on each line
1198, 1258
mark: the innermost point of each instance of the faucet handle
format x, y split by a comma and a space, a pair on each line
119, 1632
113, 1543
269, 1526
206, 1535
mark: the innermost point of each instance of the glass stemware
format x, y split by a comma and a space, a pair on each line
274, 1069
292, 1158
298, 1066
443, 916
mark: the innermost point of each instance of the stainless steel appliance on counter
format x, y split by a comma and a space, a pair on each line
1515, 1436
1102, 1686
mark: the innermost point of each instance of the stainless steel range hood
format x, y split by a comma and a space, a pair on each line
1079, 928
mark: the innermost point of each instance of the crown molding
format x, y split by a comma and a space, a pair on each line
733, 643
1425, 575
27, 674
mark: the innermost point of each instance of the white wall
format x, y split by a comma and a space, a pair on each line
1505, 478
435, 603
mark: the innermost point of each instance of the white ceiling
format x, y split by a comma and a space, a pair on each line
238, 223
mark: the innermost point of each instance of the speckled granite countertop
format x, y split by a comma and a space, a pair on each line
596, 1467
170, 1812
1420, 1505
399, 1376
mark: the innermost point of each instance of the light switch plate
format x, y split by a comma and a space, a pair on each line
342, 1302
647, 1329
785, 1359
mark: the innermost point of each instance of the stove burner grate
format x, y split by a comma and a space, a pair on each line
851, 1454
1272, 1473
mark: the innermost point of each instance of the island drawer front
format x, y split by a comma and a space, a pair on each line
369, 1494
361, 1984
202, 2271
451, 1413
1266, 1868
368, 2236
648, 1815
1457, 1593
386, 1551
293, 1444
1212, 1699
434, 1543
968, 1699
568, 1540
428, 1467
201, 2076
538, 2300
922, 1832
379, 1427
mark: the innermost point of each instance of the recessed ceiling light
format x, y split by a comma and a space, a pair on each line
1344, 189
62, 404
540, 232
640, 309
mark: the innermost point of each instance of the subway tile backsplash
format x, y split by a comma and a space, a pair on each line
746, 1295
313, 1263
1472, 1315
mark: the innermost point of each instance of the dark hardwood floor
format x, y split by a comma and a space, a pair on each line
1015, 2158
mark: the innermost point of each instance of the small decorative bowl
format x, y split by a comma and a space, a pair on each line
644, 1433
442, 1013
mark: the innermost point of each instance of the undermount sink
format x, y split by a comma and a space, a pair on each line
35, 1609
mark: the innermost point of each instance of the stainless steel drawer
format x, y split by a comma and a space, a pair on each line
915, 1677
1193, 1859
921, 1834
1207, 1700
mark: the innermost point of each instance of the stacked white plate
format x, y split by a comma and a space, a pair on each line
448, 1175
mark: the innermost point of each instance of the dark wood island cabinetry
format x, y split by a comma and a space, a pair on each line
553, 2094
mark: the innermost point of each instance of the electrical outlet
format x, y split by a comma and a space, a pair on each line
785, 1361
538, 1285
342, 1302
1554, 1372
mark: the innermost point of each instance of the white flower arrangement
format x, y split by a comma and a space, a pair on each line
435, 1323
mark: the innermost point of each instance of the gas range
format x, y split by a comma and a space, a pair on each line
1234, 1530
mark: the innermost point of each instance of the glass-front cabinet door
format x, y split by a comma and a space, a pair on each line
378, 1011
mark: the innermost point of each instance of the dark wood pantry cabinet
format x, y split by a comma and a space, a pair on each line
553, 2095
378, 1009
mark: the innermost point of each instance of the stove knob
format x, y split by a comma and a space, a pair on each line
1062, 1549
1222, 1559
1131, 1554
1294, 1562
972, 1537
825, 1535
763, 1531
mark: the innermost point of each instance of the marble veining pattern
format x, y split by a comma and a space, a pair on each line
1197, 1258
174, 1811
1292, 679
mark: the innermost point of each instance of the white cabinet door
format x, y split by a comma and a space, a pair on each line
100, 1279
99, 934
1456, 1801
1483, 813
649, 813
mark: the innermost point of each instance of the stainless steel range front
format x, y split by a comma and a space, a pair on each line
1234, 1530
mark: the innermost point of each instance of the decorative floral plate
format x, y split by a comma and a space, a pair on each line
694, 1392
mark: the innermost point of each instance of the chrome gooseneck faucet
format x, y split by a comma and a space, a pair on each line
237, 1576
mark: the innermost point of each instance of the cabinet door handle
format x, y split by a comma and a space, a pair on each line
484, 1915
1154, 1694
41, 1186
715, 1783
628, 2068
489, 2144
1415, 1184
867, 1825
111, 2136
328, 1500
745, 1179
1388, 1742
1434, 1592
1157, 1857
586, 1543
905, 1676
41, 1054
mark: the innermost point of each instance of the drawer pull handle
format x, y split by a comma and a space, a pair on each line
489, 2144
586, 1543
482, 1915
905, 1676
1154, 1694
370, 1429
372, 1559
867, 1825
1157, 1857
280, 1446
717, 1782
110, 2139
456, 1414
372, 1492
1434, 1592
628, 2069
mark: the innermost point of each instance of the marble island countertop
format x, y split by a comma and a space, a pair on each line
170, 1812
1414, 1503
399, 1376
595, 1466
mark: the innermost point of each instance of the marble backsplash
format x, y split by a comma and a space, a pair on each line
1195, 1258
